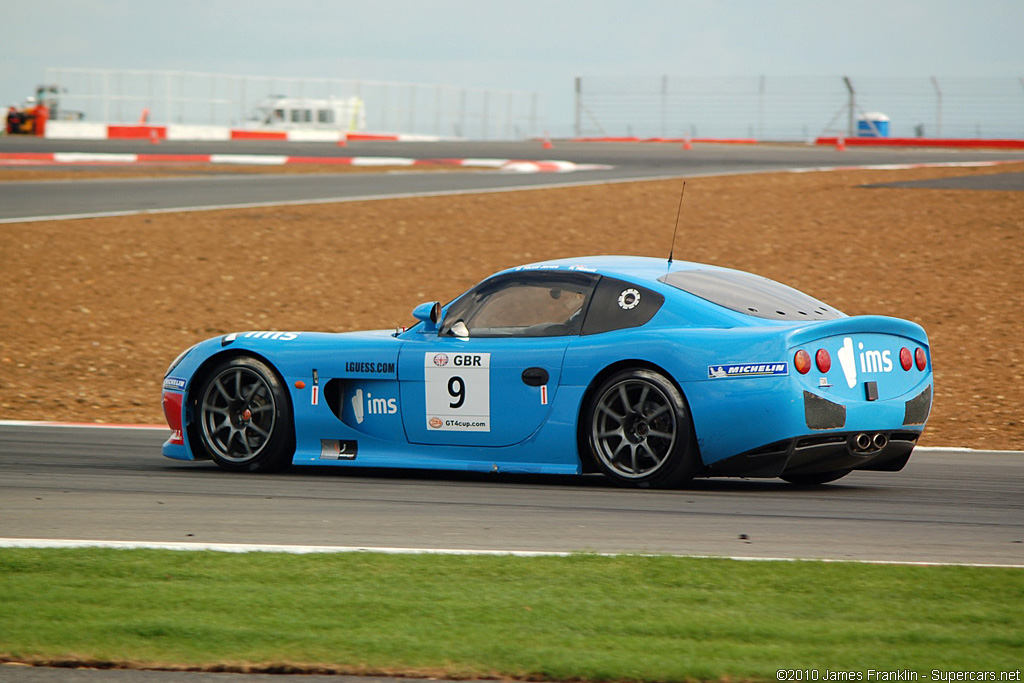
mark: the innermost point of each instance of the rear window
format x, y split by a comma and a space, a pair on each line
751, 294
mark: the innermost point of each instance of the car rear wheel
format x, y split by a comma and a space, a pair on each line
816, 478
244, 416
640, 432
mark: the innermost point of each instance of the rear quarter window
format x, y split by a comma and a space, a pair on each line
751, 295
619, 305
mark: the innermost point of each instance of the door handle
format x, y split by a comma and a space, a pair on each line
535, 377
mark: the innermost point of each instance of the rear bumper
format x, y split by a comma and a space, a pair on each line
886, 451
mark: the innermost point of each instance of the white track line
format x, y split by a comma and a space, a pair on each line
322, 549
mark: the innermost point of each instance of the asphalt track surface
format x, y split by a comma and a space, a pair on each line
222, 189
999, 182
113, 484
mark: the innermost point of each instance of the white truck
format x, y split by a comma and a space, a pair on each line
294, 113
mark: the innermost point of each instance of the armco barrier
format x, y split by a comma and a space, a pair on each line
955, 143
258, 135
80, 130
676, 141
961, 143
136, 132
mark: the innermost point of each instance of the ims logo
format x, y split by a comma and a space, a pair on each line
869, 361
372, 406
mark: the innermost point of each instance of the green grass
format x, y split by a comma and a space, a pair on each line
578, 617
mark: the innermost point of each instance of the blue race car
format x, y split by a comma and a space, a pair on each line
648, 371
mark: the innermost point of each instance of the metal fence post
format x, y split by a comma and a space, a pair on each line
412, 107
509, 119
437, 110
484, 119
664, 104
106, 96
533, 113
579, 91
240, 81
760, 108
938, 107
1022, 85
851, 107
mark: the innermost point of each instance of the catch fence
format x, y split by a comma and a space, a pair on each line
121, 96
797, 108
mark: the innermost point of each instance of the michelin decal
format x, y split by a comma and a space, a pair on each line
747, 370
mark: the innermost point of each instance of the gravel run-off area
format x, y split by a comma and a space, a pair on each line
93, 310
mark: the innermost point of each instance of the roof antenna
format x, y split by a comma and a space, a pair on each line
672, 247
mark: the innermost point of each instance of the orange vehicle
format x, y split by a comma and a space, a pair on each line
32, 118
15, 120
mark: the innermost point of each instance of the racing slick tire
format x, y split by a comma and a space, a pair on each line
815, 478
639, 431
244, 417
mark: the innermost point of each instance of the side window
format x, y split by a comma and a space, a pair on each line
521, 305
619, 305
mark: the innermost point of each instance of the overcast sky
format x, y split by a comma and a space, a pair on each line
536, 45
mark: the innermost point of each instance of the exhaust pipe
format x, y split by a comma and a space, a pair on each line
862, 442
880, 441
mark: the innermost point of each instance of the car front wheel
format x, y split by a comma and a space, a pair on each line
244, 417
640, 432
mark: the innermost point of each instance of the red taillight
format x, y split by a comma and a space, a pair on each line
922, 360
802, 362
823, 360
906, 360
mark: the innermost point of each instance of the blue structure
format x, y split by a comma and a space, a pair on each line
873, 125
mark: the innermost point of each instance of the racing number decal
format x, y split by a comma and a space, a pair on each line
458, 387
457, 390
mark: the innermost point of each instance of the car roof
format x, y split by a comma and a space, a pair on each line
636, 268
741, 296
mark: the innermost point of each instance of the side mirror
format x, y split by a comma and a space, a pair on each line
429, 314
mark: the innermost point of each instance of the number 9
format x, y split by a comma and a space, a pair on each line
457, 390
